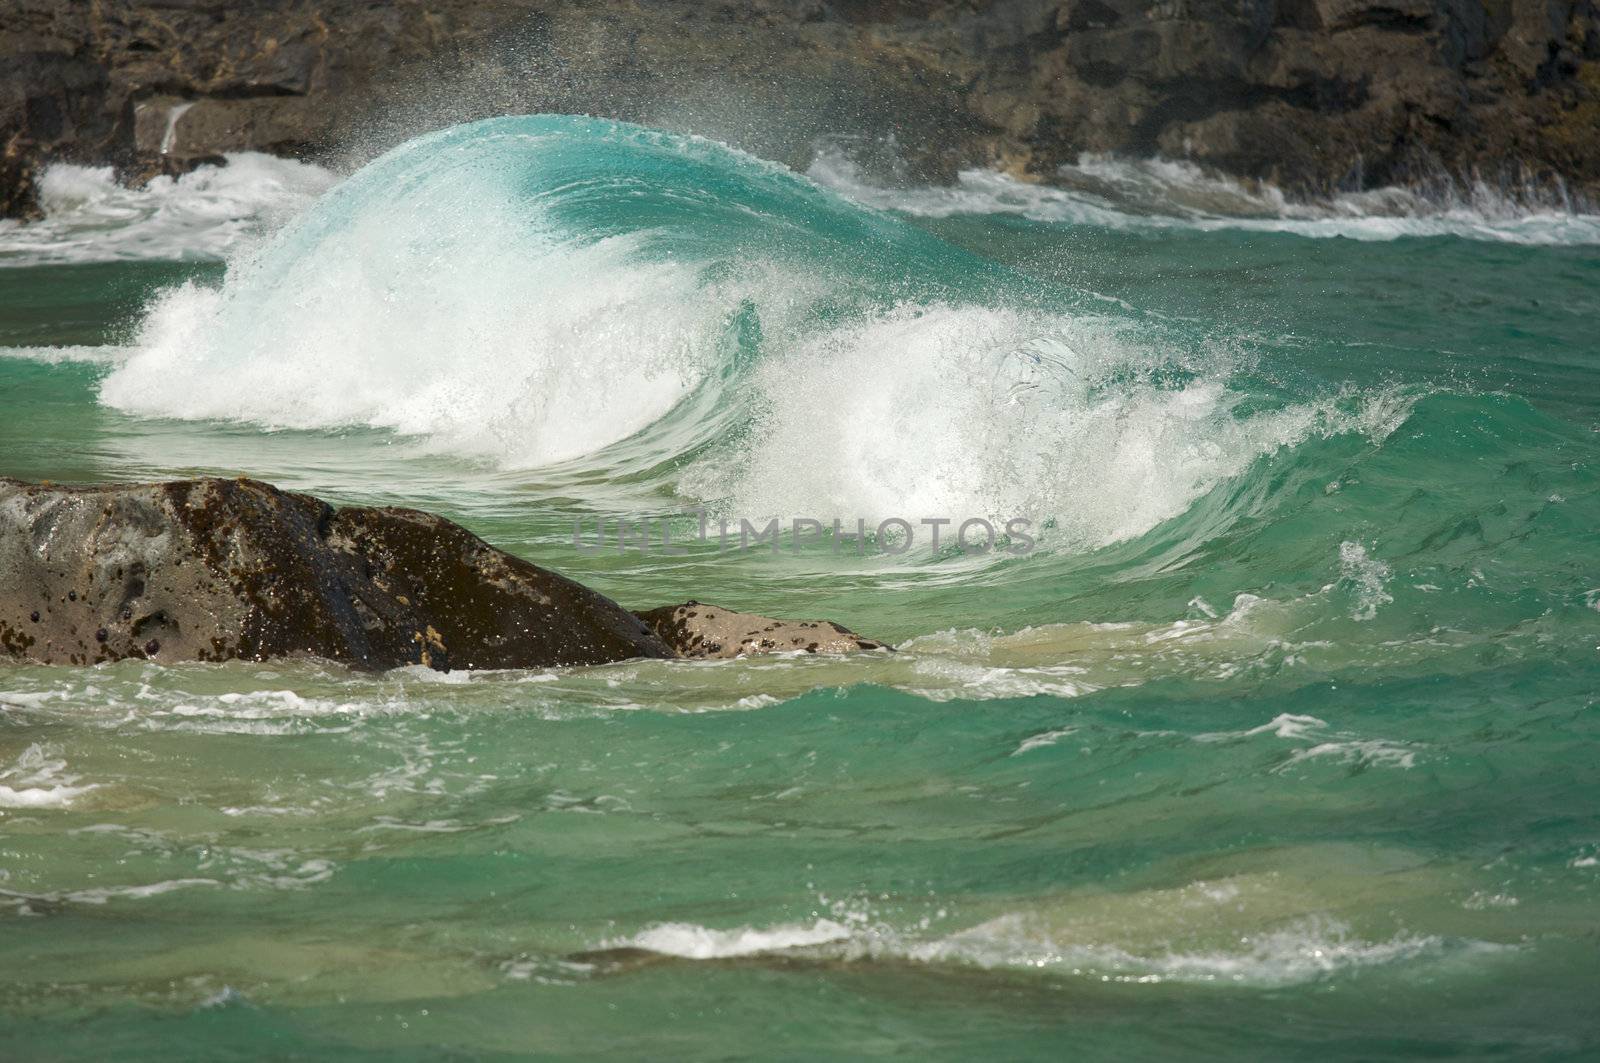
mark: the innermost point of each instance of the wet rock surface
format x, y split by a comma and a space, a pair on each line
1315, 95
212, 570
697, 630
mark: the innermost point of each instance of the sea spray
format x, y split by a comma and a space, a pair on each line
550, 291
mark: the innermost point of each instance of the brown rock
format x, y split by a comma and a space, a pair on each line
19, 189
215, 569
697, 630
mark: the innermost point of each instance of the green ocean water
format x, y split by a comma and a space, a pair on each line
1280, 742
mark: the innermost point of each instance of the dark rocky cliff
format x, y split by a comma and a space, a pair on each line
1311, 94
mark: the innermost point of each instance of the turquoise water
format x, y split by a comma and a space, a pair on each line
1278, 744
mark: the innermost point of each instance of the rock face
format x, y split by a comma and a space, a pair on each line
212, 569
697, 630
1313, 94
19, 193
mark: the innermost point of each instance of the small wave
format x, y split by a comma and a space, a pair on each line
1043, 739
105, 894
693, 942
1369, 752
205, 214
1284, 725
39, 796
78, 355
254, 712
1274, 917
1338, 746
38, 778
183, 698
1161, 193
1304, 950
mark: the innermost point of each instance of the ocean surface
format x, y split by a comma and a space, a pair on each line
1271, 733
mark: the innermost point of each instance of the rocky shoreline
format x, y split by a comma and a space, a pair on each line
1311, 95
215, 570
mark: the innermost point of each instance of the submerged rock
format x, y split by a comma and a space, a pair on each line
214, 569
694, 629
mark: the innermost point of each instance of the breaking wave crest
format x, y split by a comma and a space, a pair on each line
527, 292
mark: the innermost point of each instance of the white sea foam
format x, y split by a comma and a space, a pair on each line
1481, 900
487, 342
1284, 725
1042, 739
1159, 193
1326, 744
1369, 752
38, 778
1366, 577
1300, 951
39, 796
694, 942
131, 700
205, 214
105, 894
970, 411
269, 705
